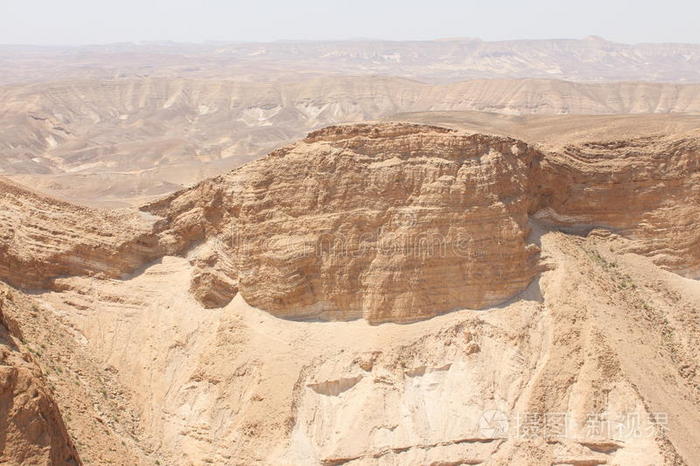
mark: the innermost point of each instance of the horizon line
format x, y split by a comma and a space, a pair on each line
165, 42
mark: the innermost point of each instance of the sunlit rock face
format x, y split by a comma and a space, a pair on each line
645, 189
386, 222
390, 222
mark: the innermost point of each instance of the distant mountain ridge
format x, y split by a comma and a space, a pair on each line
590, 59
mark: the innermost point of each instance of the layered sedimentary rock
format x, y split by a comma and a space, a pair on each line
400, 222
42, 238
388, 222
646, 189
214, 282
31, 427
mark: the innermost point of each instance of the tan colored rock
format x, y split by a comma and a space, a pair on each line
152, 376
31, 426
399, 222
646, 189
42, 238
214, 283
392, 222
387, 222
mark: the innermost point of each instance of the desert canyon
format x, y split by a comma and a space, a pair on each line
350, 253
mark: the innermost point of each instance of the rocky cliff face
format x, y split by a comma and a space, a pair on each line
423, 220
420, 219
32, 430
646, 189
42, 238
387, 222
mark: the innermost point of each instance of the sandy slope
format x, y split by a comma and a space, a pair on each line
601, 332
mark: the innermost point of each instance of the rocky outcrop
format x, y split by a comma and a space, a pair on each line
42, 238
214, 282
397, 222
646, 189
387, 222
422, 220
32, 430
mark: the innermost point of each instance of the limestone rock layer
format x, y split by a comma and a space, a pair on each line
32, 428
397, 223
387, 222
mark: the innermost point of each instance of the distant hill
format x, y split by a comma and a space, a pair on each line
590, 59
127, 140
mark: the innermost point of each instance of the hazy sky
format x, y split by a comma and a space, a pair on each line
63, 22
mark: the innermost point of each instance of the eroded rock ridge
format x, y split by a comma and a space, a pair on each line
387, 222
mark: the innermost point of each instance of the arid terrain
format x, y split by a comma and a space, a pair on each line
123, 142
446, 60
398, 264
